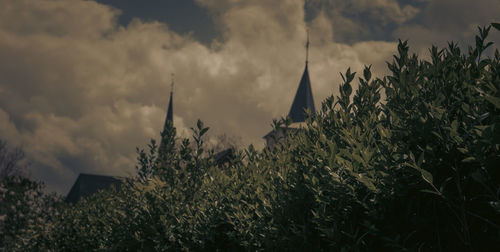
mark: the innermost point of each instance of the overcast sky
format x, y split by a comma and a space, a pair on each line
82, 83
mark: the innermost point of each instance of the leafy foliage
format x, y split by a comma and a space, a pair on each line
23, 204
416, 171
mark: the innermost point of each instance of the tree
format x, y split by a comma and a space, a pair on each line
10, 160
23, 202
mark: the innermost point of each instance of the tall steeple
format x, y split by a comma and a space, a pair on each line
307, 48
303, 98
167, 144
170, 112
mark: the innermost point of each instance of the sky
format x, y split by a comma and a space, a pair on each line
83, 83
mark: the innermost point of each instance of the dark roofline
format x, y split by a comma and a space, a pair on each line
303, 99
75, 192
170, 112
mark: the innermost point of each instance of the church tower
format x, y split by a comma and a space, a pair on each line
170, 113
303, 98
303, 101
168, 132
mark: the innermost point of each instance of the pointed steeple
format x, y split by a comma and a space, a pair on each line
303, 98
307, 48
167, 144
170, 112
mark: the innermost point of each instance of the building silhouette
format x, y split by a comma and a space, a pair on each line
88, 184
302, 107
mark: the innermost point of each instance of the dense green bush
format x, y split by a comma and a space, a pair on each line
22, 200
416, 171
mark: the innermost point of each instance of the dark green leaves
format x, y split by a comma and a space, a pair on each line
416, 171
493, 100
496, 26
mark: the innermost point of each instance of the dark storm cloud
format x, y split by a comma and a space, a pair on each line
422, 22
182, 16
360, 20
450, 20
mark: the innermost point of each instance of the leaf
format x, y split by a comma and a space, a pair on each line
495, 205
444, 184
478, 176
367, 182
314, 180
358, 158
462, 150
454, 125
468, 160
203, 131
427, 176
488, 45
496, 26
412, 157
347, 88
199, 124
367, 73
479, 42
383, 132
493, 100
430, 191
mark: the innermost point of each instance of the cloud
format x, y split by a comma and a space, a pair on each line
422, 22
359, 20
450, 20
8, 129
79, 92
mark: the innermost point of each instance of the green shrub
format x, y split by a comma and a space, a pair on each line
416, 171
22, 201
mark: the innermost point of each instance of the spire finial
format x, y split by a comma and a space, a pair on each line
307, 47
172, 83
170, 113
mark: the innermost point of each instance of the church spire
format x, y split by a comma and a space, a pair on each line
170, 113
167, 144
307, 48
303, 98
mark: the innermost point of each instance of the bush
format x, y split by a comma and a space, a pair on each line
417, 171
23, 204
